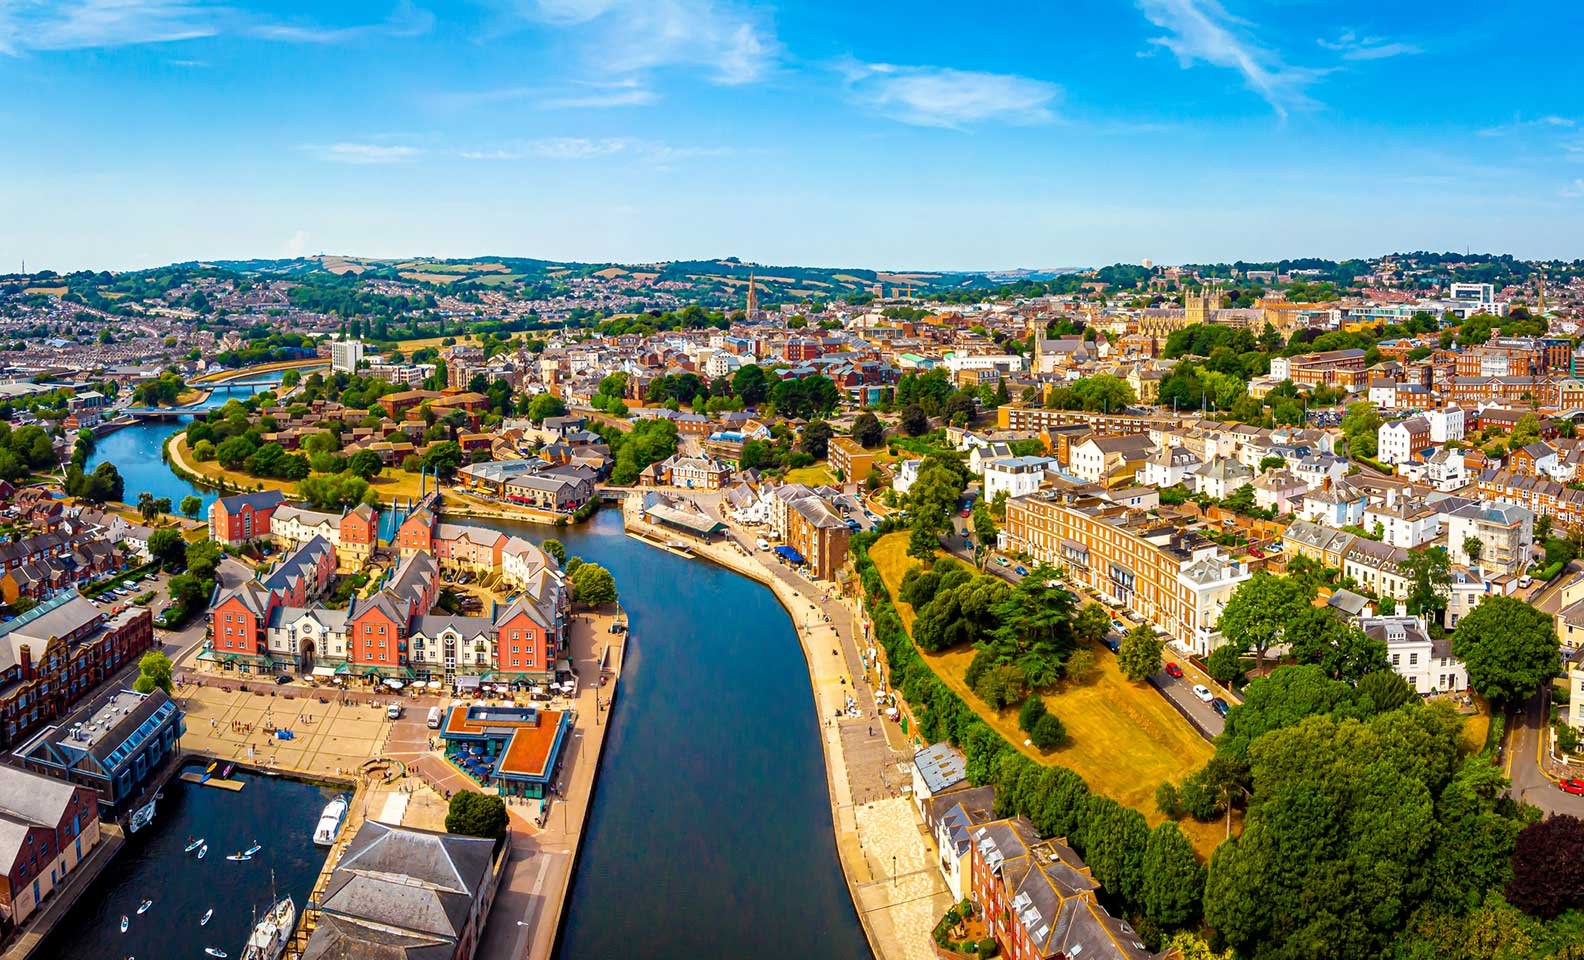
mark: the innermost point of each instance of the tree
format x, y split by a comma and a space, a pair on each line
365, 464
593, 584
1257, 615
1429, 581
1140, 653
867, 430
475, 814
146, 508
923, 541
1361, 426
1173, 887
751, 385
167, 547
962, 615
1030, 713
154, 671
1473, 547
1509, 647
1342, 650
545, 405
190, 505
915, 422
556, 549
1033, 629
1548, 867
1090, 624
1048, 733
816, 439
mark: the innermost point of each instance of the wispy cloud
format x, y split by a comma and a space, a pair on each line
53, 25
363, 153
1354, 47
1574, 189
623, 37
1202, 31
1536, 125
584, 95
584, 148
600, 96
946, 97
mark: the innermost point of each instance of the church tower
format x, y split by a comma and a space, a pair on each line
753, 298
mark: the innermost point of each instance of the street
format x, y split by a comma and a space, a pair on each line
1524, 763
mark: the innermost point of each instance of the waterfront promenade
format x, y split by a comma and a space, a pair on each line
885, 853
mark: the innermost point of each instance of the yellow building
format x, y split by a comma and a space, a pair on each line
851, 459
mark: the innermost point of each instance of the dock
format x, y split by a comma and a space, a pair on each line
232, 785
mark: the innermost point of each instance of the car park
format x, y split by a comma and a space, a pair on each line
1174, 671
1221, 707
1118, 626
1203, 692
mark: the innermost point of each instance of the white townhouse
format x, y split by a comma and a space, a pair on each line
1017, 476
1426, 663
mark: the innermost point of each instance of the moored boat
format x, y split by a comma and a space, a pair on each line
141, 817
330, 822
202, 851
124, 923
214, 951
239, 857
269, 937
144, 907
252, 850
207, 914
194, 845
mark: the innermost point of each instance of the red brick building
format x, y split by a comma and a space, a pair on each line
359, 533
48, 827
246, 516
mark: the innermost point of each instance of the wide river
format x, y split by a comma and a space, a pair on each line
710, 834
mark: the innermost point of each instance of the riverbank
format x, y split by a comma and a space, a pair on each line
886, 857
261, 368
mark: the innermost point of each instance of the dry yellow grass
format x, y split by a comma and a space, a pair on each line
438, 278
610, 273
814, 475
1124, 739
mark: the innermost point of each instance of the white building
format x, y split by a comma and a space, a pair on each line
1018, 476
1445, 423
1400, 440
345, 355
1427, 664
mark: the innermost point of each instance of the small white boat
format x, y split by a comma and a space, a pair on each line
194, 845
124, 923
144, 907
252, 850
239, 857
207, 914
269, 937
330, 822
214, 951
203, 850
142, 817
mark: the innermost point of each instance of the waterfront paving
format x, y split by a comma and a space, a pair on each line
330, 738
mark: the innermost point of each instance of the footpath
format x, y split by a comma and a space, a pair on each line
887, 856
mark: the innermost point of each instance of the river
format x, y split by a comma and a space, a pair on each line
136, 451
711, 830
278, 814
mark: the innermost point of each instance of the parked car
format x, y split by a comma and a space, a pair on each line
966, 512
1524, 582
1221, 707
1118, 626
1113, 643
1203, 692
1021, 570
1573, 785
1256, 552
1174, 671
1003, 561
281, 678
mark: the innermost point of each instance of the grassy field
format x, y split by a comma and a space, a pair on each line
392, 482
814, 475
1124, 739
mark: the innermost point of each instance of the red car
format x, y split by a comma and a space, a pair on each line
967, 512
1174, 671
1573, 786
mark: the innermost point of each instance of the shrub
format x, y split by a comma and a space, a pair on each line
1167, 802
1001, 687
1032, 712
1048, 732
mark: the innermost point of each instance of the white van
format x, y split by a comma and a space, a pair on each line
763, 544
393, 712
435, 713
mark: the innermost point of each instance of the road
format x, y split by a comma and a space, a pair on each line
1524, 763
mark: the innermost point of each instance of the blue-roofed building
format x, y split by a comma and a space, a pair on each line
114, 745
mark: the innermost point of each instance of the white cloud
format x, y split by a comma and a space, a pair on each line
298, 244
1538, 124
946, 97
732, 45
584, 148
629, 92
1202, 31
1354, 47
50, 25
363, 153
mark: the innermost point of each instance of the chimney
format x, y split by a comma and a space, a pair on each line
25, 655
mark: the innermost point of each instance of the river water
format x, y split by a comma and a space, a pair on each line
711, 829
278, 814
136, 451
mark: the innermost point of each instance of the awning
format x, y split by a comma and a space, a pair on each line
788, 554
468, 683
323, 671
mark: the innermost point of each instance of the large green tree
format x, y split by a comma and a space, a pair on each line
1257, 615
1509, 647
1173, 886
1140, 653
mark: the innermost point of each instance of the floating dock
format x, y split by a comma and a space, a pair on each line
232, 785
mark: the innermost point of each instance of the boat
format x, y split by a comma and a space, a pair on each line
124, 923
239, 857
208, 772
330, 822
142, 817
203, 850
214, 951
144, 906
269, 937
207, 914
226, 773
194, 845
252, 850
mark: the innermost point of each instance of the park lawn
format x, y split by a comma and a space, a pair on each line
1124, 739
1476, 726
814, 475
392, 482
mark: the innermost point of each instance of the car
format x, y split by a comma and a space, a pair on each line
966, 512
1221, 707
1003, 561
1118, 626
1256, 552
1112, 642
281, 678
1020, 570
1203, 692
1524, 582
1572, 785
1174, 671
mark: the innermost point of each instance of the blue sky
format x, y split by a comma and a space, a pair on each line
882, 134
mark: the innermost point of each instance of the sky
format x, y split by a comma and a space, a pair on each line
918, 135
